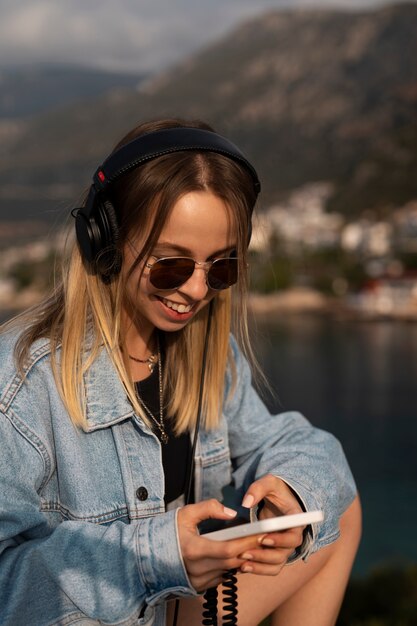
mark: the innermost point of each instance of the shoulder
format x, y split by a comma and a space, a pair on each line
238, 372
11, 379
240, 361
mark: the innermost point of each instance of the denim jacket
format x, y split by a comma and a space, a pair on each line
84, 535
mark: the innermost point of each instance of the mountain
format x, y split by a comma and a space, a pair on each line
31, 89
308, 95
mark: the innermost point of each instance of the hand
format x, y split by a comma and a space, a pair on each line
206, 560
273, 549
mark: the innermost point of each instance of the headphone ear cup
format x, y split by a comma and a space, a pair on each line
108, 258
98, 236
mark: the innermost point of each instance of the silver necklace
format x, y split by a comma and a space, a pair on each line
158, 422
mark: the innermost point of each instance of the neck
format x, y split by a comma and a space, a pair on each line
139, 338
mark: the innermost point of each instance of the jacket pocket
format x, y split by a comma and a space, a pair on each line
216, 470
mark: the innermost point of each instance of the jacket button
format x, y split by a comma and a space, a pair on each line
142, 493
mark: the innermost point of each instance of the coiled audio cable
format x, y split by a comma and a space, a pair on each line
210, 607
230, 598
229, 578
229, 583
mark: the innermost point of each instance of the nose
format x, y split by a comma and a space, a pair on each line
196, 286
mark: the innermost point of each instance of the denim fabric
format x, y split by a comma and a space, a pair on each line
77, 544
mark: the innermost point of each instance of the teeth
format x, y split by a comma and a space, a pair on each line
180, 308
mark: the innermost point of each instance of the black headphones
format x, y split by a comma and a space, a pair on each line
96, 223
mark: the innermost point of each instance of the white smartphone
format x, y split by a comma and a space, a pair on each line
270, 525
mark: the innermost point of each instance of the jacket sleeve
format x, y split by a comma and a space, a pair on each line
311, 461
79, 569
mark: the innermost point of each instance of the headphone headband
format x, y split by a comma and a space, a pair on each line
157, 143
96, 222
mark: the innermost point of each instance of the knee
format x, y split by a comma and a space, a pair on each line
351, 524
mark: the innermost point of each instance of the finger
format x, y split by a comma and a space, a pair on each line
192, 514
203, 573
276, 504
219, 552
223, 552
229, 549
261, 569
285, 539
276, 494
268, 557
258, 489
213, 567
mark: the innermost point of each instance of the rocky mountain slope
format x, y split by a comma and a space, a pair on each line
309, 95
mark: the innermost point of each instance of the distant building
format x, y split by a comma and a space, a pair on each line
388, 296
367, 238
300, 222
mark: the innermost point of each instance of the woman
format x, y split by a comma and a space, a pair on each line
101, 386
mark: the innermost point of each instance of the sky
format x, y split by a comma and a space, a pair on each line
128, 35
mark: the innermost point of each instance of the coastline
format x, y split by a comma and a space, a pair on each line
307, 301
266, 307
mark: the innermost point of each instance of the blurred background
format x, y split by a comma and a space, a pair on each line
322, 98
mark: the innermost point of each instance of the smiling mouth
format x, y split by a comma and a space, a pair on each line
179, 308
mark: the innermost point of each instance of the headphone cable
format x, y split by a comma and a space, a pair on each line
197, 428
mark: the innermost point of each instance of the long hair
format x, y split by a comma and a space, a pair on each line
84, 312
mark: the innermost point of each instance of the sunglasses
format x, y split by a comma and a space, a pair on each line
173, 271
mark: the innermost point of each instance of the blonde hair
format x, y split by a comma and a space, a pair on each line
84, 312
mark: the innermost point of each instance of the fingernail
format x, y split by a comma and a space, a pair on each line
229, 512
248, 501
246, 556
267, 542
246, 568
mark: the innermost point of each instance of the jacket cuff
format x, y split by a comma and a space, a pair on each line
307, 503
160, 561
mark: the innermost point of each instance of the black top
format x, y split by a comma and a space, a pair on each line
176, 454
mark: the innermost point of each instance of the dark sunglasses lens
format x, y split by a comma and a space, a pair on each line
171, 273
222, 274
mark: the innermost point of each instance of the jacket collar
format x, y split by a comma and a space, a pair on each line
106, 398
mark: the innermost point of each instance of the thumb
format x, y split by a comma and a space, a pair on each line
193, 514
258, 490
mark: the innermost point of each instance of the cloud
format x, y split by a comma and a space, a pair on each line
128, 34
101, 33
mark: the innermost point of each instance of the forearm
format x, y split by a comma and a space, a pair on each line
309, 460
312, 463
101, 572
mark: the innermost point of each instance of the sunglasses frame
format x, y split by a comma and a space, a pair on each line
206, 265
